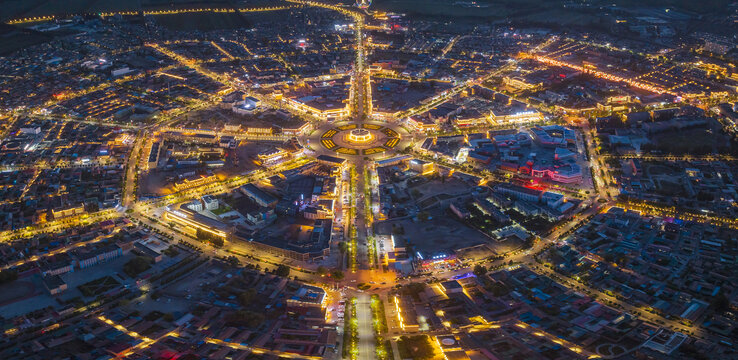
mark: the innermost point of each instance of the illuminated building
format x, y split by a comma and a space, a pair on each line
519, 192
228, 142
272, 156
301, 44
247, 106
60, 264
293, 147
717, 45
259, 216
193, 136
300, 242
122, 139
258, 195
66, 212
331, 161
451, 347
54, 284
397, 160
406, 315
121, 72
308, 342
619, 99
553, 135
466, 122
364, 4
422, 124
519, 83
322, 210
194, 205
567, 174
360, 136
90, 256
154, 155
211, 203
30, 130
384, 116
307, 296
428, 261
319, 107
259, 130
194, 221
490, 209
148, 249
421, 166
452, 287
516, 116
478, 159
300, 128
231, 128
195, 181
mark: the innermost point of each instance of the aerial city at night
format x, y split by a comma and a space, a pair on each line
357, 179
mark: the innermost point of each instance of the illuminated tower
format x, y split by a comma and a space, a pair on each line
363, 4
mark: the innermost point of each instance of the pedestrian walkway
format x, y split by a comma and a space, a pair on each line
366, 330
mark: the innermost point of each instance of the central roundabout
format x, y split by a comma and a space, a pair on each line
359, 139
360, 136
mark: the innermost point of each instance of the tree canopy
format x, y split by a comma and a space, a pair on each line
282, 270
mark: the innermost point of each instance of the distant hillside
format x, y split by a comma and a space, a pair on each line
12, 9
502, 8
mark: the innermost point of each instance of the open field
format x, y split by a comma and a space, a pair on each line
98, 286
15, 290
13, 40
202, 21
692, 141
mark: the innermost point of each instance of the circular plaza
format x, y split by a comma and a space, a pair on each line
359, 138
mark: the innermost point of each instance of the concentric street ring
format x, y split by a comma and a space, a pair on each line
359, 139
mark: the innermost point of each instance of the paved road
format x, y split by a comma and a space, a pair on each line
133, 160
362, 255
60, 250
366, 332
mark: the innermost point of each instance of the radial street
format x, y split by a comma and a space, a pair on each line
366, 332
